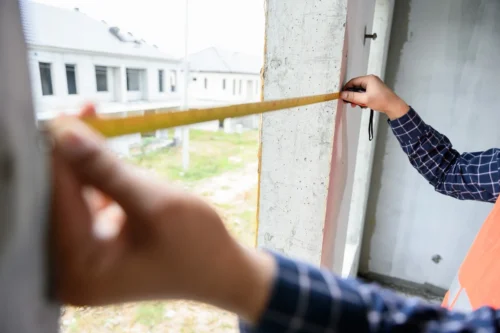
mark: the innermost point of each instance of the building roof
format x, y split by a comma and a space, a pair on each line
217, 60
71, 29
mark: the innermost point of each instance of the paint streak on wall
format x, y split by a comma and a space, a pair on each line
354, 63
338, 175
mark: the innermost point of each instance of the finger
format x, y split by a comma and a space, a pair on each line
109, 222
88, 110
354, 97
360, 81
95, 199
71, 219
98, 167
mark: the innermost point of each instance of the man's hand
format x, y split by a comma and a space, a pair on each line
168, 244
377, 97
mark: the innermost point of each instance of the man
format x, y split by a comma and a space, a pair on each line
172, 245
470, 176
467, 176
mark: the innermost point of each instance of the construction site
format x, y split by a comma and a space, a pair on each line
310, 182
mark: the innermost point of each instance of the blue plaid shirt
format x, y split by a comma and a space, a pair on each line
467, 176
310, 300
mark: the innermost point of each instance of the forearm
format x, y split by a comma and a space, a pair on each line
239, 281
468, 176
307, 299
429, 151
247, 287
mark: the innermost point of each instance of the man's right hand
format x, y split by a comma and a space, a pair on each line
377, 96
167, 243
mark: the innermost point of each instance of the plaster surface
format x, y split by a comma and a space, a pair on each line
24, 193
304, 49
443, 60
308, 153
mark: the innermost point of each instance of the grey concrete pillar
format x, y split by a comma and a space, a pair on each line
24, 192
308, 153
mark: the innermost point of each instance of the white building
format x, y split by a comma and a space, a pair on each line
74, 58
220, 76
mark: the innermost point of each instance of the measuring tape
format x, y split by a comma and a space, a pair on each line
150, 122
112, 127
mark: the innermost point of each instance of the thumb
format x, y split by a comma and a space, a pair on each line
95, 165
354, 97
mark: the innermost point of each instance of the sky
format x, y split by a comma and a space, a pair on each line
236, 25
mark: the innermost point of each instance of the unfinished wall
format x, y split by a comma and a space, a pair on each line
443, 60
305, 178
382, 22
24, 201
304, 48
360, 15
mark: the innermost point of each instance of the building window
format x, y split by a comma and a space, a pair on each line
206, 83
71, 79
133, 79
223, 84
46, 78
160, 80
234, 86
101, 78
173, 80
241, 86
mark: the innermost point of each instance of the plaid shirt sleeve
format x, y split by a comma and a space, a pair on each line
467, 176
309, 300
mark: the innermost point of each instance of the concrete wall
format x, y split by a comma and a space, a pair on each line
443, 60
86, 81
382, 23
24, 193
360, 15
304, 184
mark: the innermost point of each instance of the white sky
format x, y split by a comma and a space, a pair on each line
236, 25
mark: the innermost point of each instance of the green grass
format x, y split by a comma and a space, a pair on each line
211, 153
150, 315
246, 138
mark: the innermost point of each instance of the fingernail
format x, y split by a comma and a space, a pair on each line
343, 95
74, 145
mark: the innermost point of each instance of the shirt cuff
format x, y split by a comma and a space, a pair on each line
282, 300
408, 128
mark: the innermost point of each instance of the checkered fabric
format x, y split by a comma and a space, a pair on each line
307, 299
467, 176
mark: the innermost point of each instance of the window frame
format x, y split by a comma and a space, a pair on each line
74, 79
131, 73
101, 71
161, 83
46, 67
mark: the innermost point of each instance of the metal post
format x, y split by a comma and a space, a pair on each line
185, 131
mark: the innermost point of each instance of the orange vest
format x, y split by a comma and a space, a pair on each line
478, 280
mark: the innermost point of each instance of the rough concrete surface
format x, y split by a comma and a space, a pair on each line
304, 44
24, 200
443, 60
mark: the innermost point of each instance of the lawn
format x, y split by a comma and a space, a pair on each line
223, 169
211, 153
